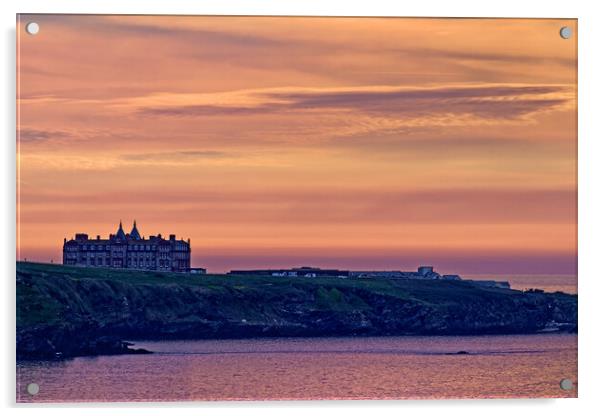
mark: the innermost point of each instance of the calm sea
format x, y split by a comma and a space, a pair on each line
314, 368
549, 283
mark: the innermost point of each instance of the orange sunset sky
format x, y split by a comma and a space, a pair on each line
363, 143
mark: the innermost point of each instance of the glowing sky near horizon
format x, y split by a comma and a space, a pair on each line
365, 143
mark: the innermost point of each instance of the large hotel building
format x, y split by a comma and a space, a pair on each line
128, 251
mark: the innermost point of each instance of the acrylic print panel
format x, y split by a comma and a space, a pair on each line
295, 208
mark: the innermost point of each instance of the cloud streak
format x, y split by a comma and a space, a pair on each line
41, 135
175, 156
438, 206
492, 102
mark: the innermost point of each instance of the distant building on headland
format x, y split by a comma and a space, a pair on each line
129, 251
294, 272
423, 273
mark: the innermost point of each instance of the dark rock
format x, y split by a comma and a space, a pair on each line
138, 351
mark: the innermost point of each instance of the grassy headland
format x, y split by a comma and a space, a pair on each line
72, 311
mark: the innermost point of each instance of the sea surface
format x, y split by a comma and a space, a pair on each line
314, 368
548, 283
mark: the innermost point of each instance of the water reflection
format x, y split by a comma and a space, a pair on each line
309, 368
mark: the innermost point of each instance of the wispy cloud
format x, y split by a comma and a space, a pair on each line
345, 206
491, 102
40, 135
175, 156
448, 54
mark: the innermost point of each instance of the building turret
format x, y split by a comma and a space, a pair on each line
120, 233
134, 233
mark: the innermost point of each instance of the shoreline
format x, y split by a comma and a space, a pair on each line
122, 346
145, 351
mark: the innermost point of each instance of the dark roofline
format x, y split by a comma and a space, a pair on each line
153, 239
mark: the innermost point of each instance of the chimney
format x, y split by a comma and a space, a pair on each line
172, 237
98, 237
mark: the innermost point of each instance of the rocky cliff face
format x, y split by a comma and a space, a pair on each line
65, 311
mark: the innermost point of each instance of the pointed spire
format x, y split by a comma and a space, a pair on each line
120, 234
134, 233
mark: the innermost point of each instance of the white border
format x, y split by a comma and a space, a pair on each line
590, 201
